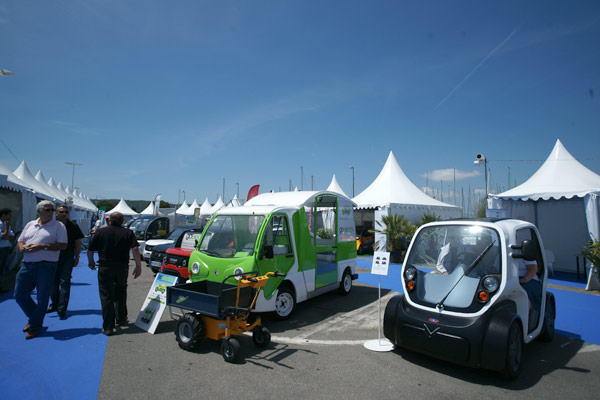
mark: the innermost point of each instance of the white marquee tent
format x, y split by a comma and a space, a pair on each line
182, 208
561, 199
392, 189
217, 206
334, 186
148, 210
123, 208
205, 207
191, 209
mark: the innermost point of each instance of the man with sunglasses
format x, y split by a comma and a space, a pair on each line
40, 242
68, 258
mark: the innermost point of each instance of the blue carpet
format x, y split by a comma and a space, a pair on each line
575, 312
65, 361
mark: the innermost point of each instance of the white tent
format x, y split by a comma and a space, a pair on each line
23, 173
334, 186
217, 206
192, 208
561, 199
205, 207
39, 176
392, 189
148, 210
123, 208
235, 202
17, 196
182, 208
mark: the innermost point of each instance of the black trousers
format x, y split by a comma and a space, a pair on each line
112, 285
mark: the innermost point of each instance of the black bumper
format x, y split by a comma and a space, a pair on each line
471, 341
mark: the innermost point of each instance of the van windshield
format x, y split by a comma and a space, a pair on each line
230, 236
451, 261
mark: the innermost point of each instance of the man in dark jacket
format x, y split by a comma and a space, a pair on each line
113, 243
69, 258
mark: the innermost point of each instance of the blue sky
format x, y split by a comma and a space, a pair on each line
157, 96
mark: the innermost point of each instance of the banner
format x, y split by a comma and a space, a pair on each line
252, 192
155, 303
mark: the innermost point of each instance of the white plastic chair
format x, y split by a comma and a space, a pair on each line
549, 257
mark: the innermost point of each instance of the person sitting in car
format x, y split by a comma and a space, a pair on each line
450, 256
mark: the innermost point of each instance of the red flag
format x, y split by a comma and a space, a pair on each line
252, 192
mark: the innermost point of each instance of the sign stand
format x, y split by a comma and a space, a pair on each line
380, 267
155, 303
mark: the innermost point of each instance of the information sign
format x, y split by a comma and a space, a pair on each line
155, 303
381, 261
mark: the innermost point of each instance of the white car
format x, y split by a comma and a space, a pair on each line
169, 240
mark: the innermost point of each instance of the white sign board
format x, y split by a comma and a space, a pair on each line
189, 240
155, 303
381, 261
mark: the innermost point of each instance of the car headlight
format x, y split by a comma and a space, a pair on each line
195, 268
184, 263
490, 283
410, 273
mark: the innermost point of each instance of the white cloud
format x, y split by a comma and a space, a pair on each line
449, 174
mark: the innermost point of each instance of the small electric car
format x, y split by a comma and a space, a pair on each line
463, 301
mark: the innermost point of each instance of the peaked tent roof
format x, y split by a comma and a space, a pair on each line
39, 176
182, 208
235, 202
192, 207
12, 181
205, 207
123, 208
561, 175
218, 205
334, 186
22, 172
392, 186
148, 210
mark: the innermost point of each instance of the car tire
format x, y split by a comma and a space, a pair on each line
230, 349
285, 302
514, 352
261, 336
547, 334
346, 283
189, 331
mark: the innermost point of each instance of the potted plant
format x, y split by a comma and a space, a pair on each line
398, 231
591, 252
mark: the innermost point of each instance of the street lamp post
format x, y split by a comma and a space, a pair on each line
481, 160
237, 184
352, 168
73, 174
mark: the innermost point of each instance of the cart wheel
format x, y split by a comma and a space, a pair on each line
261, 336
514, 352
285, 302
189, 331
547, 334
230, 349
346, 283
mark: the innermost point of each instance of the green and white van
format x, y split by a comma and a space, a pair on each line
308, 236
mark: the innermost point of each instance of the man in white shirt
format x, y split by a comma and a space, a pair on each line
41, 242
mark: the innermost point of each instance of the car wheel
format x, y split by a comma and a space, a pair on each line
261, 336
285, 302
514, 351
547, 334
189, 331
230, 349
346, 282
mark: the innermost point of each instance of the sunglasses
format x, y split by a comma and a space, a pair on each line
62, 212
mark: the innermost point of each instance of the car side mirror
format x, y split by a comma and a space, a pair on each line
528, 250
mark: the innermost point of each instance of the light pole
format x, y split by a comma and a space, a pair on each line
73, 174
352, 168
237, 184
481, 160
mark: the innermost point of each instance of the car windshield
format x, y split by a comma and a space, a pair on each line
451, 260
175, 233
230, 236
139, 225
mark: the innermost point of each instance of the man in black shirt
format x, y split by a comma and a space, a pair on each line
69, 257
113, 243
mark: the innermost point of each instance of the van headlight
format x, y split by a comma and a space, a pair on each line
491, 284
239, 271
195, 267
409, 273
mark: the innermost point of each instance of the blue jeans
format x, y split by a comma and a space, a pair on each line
38, 276
534, 292
62, 282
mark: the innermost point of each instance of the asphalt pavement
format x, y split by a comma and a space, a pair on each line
319, 354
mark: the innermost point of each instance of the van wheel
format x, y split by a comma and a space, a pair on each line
230, 349
189, 331
261, 336
285, 302
514, 352
547, 334
346, 282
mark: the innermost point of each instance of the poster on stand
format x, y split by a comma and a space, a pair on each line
381, 262
155, 303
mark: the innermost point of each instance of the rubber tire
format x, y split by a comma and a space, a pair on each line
286, 296
230, 349
346, 283
514, 352
189, 331
547, 334
261, 336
